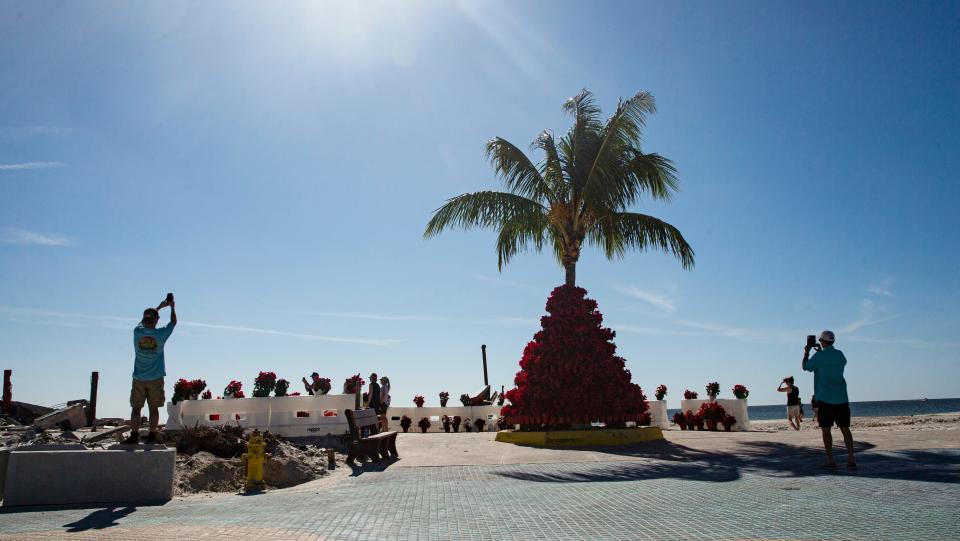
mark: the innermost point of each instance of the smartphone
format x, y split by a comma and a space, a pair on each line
811, 340
169, 298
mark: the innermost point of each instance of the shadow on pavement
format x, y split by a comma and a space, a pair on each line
369, 467
670, 460
99, 520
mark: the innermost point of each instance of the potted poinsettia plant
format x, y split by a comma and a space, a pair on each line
353, 383
456, 423
740, 391
181, 390
234, 389
479, 423
418, 400
281, 387
444, 396
424, 424
446, 423
712, 414
660, 392
207, 395
325, 386
713, 389
689, 395
264, 384
465, 399
728, 422
645, 419
680, 420
405, 423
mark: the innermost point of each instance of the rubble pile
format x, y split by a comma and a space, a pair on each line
208, 460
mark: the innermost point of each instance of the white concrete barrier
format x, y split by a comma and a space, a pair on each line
658, 413
490, 414
66, 474
287, 416
733, 406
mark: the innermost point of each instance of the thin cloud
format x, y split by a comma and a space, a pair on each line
868, 317
883, 288
501, 282
37, 130
23, 315
255, 330
12, 235
360, 315
30, 165
661, 301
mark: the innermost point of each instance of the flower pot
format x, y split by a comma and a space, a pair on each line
424, 430
405, 428
443, 402
446, 428
713, 397
726, 428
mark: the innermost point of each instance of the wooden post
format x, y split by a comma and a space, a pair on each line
92, 412
356, 397
7, 392
483, 350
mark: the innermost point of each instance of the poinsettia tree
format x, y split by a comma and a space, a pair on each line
570, 373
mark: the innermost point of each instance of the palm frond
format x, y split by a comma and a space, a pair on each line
485, 209
552, 167
518, 173
609, 182
517, 235
617, 232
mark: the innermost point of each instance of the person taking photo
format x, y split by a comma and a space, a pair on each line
149, 369
793, 401
830, 388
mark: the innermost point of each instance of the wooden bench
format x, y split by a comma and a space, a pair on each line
376, 445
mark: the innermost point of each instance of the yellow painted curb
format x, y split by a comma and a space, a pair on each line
582, 438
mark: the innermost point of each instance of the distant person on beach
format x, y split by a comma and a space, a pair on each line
384, 401
374, 402
793, 401
831, 391
149, 368
313, 386
813, 406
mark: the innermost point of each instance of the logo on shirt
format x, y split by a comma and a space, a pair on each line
147, 343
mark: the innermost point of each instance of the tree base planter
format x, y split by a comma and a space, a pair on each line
733, 406
582, 438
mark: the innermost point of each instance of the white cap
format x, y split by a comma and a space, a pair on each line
827, 336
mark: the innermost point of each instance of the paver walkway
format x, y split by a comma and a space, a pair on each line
683, 494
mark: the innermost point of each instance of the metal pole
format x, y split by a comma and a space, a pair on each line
483, 349
7, 392
92, 412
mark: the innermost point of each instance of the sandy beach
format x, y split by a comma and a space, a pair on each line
939, 421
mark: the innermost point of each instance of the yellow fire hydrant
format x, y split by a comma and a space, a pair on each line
254, 460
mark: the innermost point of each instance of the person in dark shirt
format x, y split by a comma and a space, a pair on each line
375, 403
793, 401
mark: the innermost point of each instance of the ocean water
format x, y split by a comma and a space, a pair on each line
882, 408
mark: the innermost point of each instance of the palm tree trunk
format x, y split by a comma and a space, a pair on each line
571, 269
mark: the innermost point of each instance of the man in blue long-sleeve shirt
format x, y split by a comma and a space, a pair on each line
831, 391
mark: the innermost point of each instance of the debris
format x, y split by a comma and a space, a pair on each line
107, 434
74, 414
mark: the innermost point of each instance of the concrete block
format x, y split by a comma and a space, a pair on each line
108, 434
58, 475
4, 458
74, 414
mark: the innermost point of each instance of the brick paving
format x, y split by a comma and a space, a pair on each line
904, 495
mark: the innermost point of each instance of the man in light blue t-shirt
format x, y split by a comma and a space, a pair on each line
149, 369
830, 388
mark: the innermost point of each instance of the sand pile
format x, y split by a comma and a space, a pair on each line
208, 460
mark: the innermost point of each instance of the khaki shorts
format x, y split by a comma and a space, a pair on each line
150, 391
793, 412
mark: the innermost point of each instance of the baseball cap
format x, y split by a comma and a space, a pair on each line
827, 336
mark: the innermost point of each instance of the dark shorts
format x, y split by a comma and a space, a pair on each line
828, 414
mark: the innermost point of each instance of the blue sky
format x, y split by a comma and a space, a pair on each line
275, 165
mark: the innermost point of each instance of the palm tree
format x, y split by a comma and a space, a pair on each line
580, 191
